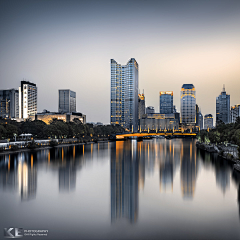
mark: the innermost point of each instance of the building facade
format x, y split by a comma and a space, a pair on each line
160, 122
188, 105
9, 103
141, 105
66, 101
27, 99
166, 102
150, 110
47, 117
208, 121
235, 112
124, 94
223, 107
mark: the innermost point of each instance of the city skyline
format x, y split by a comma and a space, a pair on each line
70, 44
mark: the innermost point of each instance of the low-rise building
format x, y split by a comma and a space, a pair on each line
208, 121
47, 116
157, 121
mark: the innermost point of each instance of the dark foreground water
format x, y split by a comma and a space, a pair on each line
155, 189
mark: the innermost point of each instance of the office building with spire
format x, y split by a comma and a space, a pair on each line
141, 105
124, 94
223, 107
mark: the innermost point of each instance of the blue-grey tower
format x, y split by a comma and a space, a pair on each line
124, 94
223, 107
166, 102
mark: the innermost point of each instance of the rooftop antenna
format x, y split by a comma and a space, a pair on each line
223, 87
143, 91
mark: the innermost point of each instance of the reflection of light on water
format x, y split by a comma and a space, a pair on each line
74, 153
31, 160
9, 162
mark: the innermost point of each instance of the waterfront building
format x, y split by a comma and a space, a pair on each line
27, 99
66, 101
223, 107
235, 112
9, 103
188, 105
141, 105
166, 102
47, 116
208, 121
158, 121
124, 94
150, 110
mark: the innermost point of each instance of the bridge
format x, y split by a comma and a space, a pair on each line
149, 134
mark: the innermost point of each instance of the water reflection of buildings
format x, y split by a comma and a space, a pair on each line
67, 178
20, 175
189, 168
223, 178
27, 180
124, 181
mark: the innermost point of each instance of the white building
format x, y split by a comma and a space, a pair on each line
27, 99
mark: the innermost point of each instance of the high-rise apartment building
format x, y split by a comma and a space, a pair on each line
235, 112
9, 103
188, 105
166, 102
124, 94
27, 99
200, 118
223, 107
66, 101
208, 121
141, 105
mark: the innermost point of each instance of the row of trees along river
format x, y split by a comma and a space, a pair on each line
56, 129
222, 133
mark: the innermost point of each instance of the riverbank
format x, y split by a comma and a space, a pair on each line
229, 152
23, 146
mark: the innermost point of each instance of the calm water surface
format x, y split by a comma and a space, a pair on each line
152, 189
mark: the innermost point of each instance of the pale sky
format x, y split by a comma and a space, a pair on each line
69, 44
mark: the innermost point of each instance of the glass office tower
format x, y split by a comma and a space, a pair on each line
166, 102
124, 94
188, 105
223, 107
9, 103
208, 121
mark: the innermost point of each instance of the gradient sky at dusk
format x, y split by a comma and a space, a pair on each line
69, 44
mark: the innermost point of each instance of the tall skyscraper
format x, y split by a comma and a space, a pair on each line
208, 121
66, 101
124, 94
235, 112
27, 99
166, 102
9, 103
223, 107
141, 105
188, 105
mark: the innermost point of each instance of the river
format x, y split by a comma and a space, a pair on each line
151, 189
